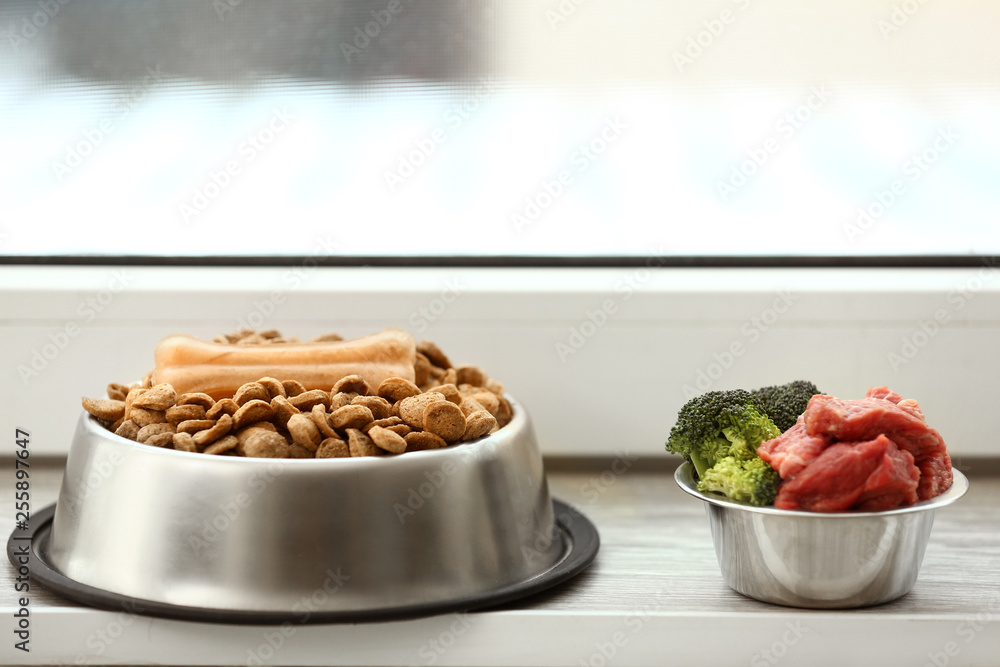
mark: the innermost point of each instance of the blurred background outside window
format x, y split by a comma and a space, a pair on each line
499, 127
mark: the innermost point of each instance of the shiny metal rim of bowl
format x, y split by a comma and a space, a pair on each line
684, 476
259, 534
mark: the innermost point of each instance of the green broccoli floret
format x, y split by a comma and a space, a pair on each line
784, 403
752, 481
720, 424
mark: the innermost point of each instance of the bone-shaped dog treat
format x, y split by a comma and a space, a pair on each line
191, 364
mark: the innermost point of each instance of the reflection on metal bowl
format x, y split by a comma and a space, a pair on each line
281, 535
819, 560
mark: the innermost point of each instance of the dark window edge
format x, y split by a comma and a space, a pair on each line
510, 261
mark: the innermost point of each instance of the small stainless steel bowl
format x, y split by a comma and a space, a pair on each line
304, 536
819, 560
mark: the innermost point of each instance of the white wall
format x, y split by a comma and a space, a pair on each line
620, 390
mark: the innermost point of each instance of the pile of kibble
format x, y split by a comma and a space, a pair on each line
269, 418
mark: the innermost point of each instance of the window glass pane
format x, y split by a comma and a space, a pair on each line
499, 127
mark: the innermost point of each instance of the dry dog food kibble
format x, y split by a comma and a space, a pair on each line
430, 405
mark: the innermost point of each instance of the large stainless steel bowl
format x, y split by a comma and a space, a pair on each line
289, 535
819, 560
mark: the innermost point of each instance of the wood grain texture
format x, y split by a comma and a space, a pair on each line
656, 559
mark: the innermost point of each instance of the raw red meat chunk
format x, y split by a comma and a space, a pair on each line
872, 453
871, 475
884, 392
903, 422
792, 451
